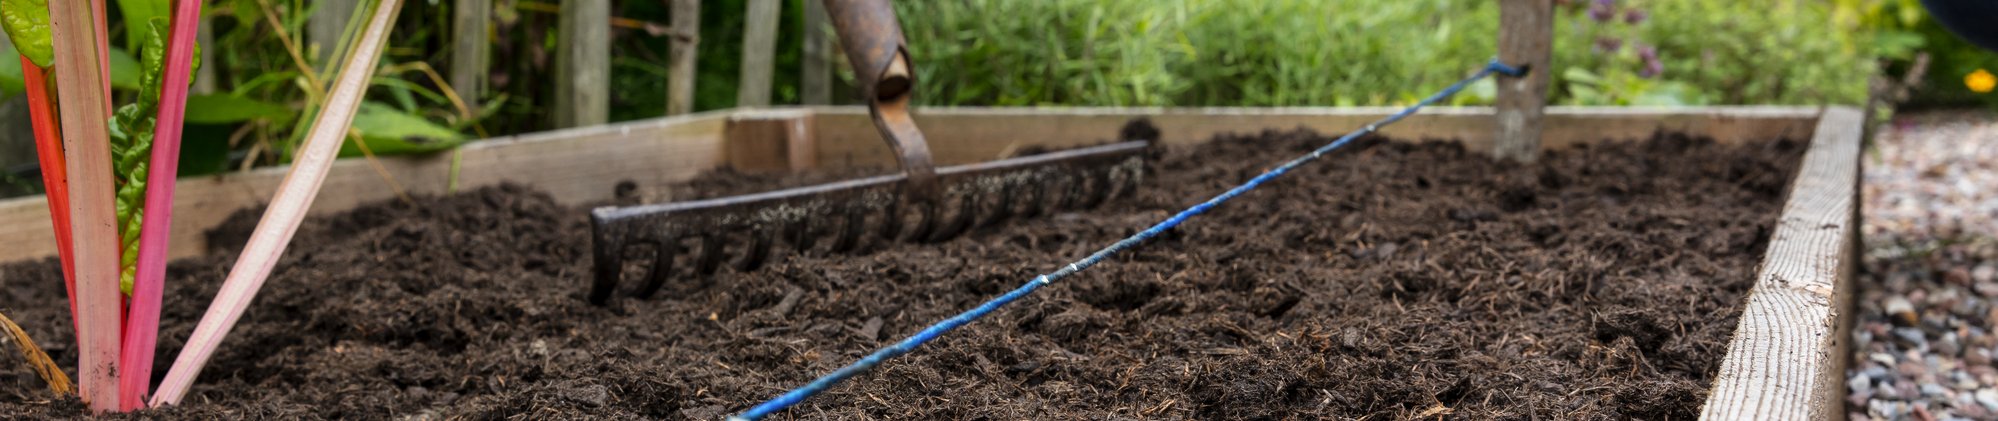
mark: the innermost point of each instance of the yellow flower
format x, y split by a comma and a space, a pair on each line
1980, 81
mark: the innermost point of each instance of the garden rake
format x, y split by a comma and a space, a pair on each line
694, 239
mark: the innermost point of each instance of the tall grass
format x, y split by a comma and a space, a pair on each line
1351, 52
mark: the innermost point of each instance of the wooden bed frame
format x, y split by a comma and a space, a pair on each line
1787, 360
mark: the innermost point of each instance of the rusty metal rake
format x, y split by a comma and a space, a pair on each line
695, 239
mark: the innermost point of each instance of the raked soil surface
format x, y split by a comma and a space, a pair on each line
1394, 281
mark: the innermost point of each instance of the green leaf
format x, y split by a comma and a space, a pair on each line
27, 24
226, 109
12, 80
1581, 75
391, 132
124, 70
142, 11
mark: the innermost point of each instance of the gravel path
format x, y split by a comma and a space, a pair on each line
1924, 337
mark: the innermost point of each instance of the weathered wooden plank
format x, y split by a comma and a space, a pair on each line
1526, 38
681, 60
771, 141
1783, 363
845, 136
582, 64
576, 166
759, 53
470, 22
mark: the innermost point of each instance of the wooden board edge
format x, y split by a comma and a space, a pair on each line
845, 137
1785, 361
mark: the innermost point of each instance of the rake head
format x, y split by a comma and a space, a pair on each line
689, 241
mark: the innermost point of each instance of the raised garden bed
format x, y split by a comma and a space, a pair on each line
1400, 280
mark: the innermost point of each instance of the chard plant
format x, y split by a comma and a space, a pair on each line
125, 142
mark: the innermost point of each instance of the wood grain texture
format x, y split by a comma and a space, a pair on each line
582, 64
659, 152
1783, 363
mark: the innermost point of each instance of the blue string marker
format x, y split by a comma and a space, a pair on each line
798, 395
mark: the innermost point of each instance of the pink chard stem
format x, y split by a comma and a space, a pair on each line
287, 208
148, 286
87, 153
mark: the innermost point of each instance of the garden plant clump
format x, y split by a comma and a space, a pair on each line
1396, 280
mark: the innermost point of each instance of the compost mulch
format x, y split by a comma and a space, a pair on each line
1394, 281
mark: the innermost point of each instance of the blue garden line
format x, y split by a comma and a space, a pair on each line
937, 330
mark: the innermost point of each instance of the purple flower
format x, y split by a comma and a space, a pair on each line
1651, 69
1648, 53
1608, 45
1602, 10
1634, 16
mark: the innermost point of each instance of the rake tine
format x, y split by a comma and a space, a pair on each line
850, 230
760, 240
713, 247
932, 211
1036, 202
967, 210
608, 261
1099, 189
662, 267
1003, 209
800, 234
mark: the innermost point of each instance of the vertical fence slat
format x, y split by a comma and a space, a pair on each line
204, 75
469, 44
815, 84
1526, 38
759, 51
323, 28
582, 69
680, 66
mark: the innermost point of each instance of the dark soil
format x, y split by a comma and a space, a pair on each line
1394, 282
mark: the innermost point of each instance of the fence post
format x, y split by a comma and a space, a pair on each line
815, 85
1526, 38
323, 28
204, 76
469, 43
681, 63
759, 51
582, 64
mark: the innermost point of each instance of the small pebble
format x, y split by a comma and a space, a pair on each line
1900, 311
1989, 398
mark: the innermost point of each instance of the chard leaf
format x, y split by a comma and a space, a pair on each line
27, 23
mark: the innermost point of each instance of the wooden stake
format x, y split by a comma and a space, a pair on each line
815, 85
1526, 38
469, 57
680, 66
759, 53
582, 64
287, 208
93, 227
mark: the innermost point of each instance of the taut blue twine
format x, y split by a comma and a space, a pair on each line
937, 330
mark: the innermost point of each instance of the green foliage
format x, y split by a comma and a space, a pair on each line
27, 24
132, 127
389, 131
1362, 52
